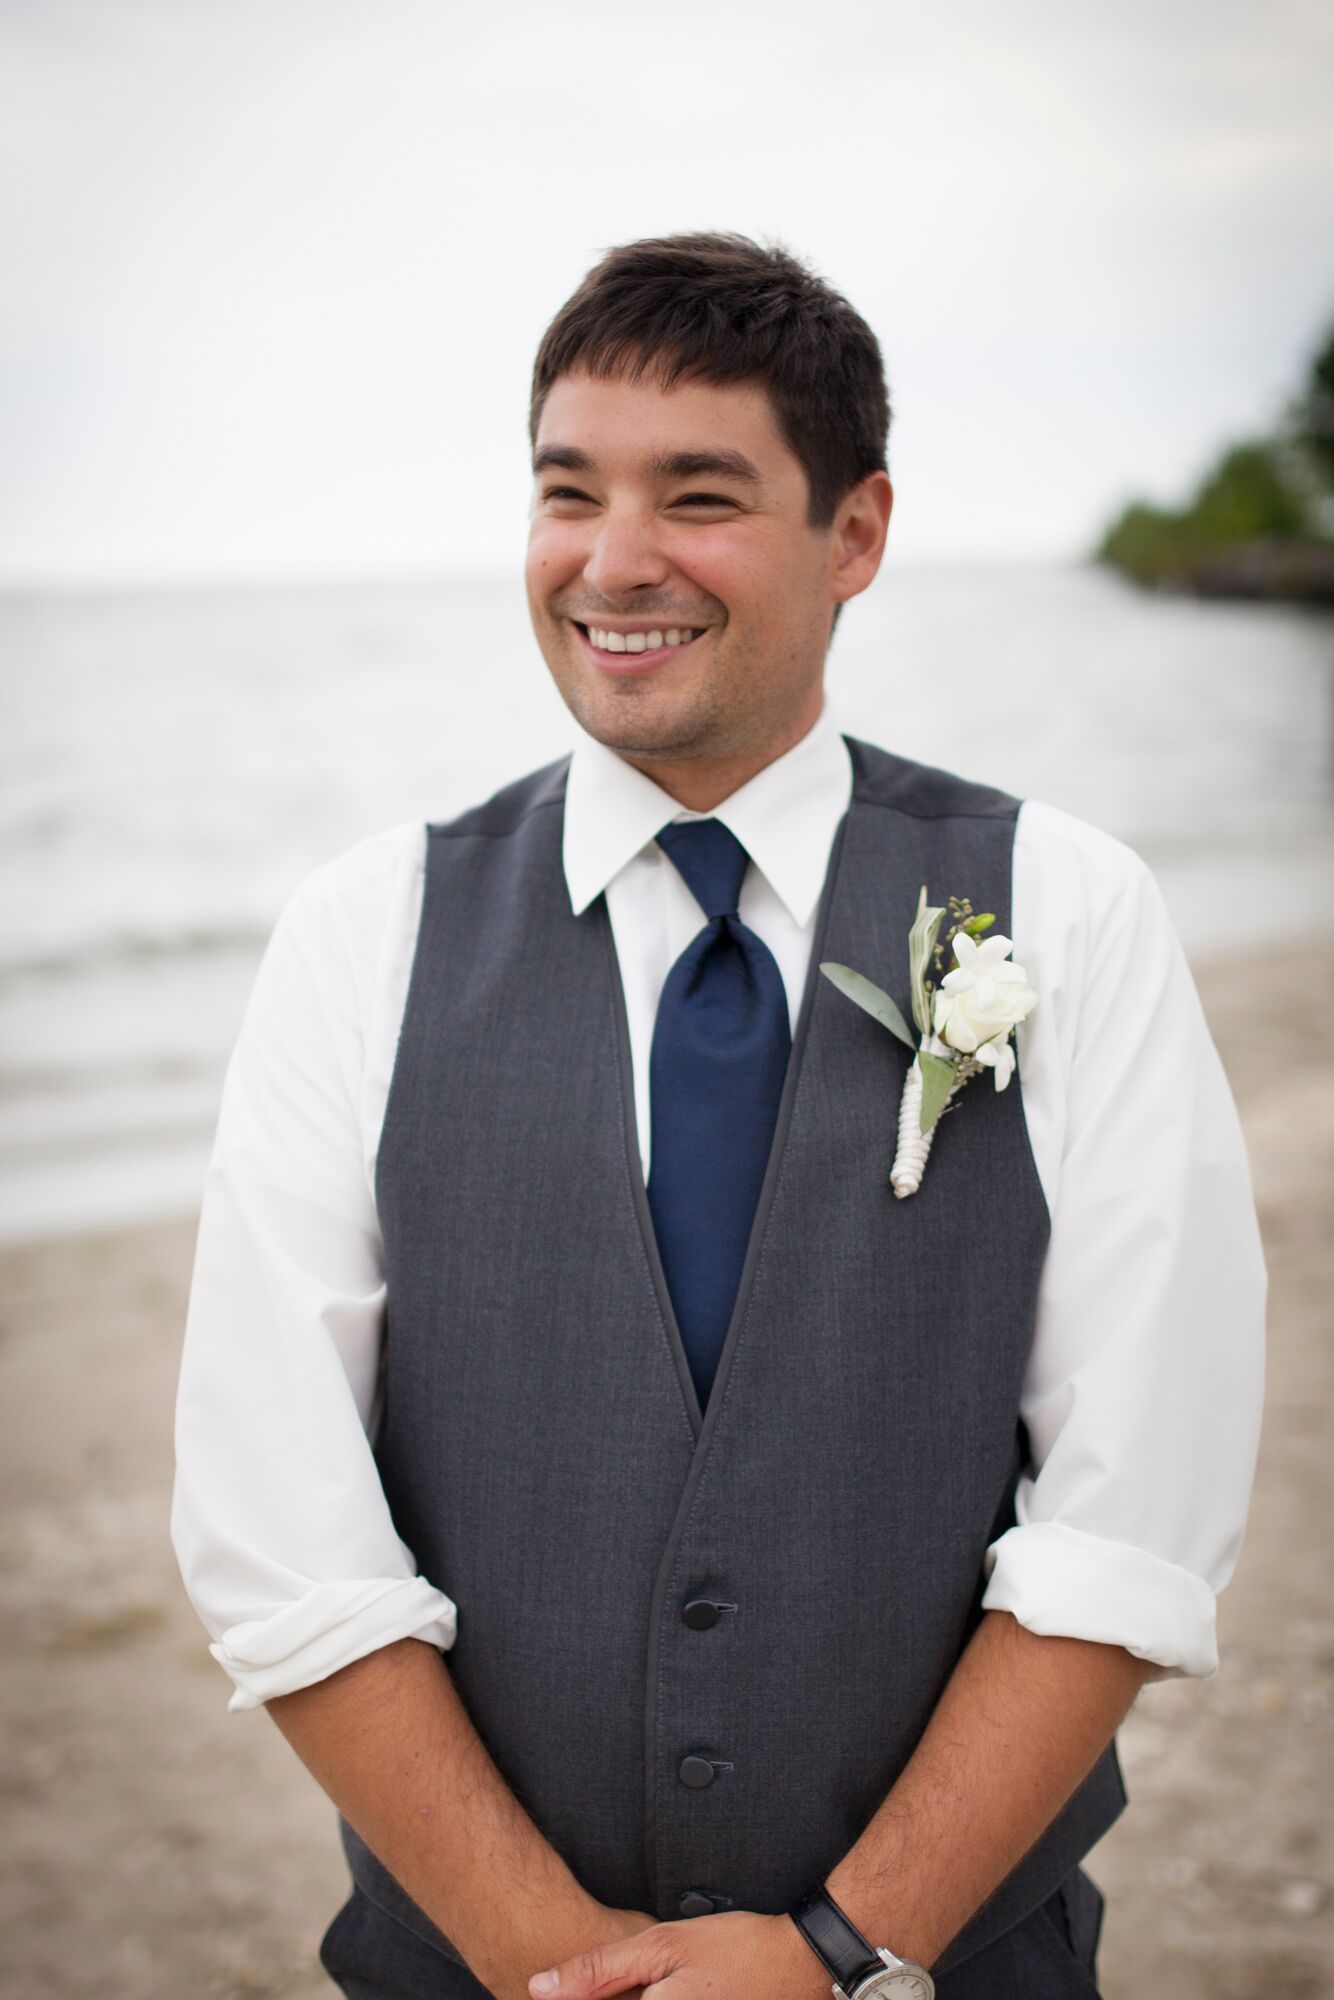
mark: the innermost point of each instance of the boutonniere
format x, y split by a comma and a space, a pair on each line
964, 1024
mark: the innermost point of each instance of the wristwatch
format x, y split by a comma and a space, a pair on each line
861, 1971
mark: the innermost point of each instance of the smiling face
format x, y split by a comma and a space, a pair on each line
678, 593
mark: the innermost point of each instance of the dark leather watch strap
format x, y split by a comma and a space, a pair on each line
835, 1939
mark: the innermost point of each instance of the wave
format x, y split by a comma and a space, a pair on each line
135, 947
45, 1080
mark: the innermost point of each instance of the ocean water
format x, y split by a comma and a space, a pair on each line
174, 762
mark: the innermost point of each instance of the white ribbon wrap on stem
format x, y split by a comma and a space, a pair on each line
905, 1176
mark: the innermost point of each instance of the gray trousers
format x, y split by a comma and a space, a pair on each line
1049, 1956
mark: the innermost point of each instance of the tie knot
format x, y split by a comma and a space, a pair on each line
710, 860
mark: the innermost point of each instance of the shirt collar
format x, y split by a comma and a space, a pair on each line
785, 817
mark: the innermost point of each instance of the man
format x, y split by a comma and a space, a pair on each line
804, 1547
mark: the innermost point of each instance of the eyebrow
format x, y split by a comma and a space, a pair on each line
663, 465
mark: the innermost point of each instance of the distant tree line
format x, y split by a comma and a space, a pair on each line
1261, 522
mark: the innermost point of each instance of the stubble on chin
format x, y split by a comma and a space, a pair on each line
628, 720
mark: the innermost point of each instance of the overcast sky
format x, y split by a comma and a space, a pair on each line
273, 270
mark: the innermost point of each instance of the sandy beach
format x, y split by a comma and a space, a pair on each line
157, 1847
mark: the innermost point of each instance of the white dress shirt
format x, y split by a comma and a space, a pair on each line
1143, 1390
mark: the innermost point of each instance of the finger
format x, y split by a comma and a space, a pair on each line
606, 1969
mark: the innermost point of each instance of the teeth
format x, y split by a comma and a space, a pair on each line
639, 642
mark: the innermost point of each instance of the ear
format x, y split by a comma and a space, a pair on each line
860, 527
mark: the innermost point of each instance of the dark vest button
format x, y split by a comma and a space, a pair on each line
695, 1903
696, 1772
700, 1613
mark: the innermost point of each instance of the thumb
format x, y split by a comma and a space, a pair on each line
605, 1969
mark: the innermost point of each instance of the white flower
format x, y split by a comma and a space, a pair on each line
965, 1026
997, 1053
980, 1000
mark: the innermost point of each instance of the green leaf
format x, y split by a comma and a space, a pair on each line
869, 996
937, 1076
976, 925
921, 944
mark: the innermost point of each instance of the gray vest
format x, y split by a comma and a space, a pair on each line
701, 1646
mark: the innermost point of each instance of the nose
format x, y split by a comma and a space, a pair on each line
625, 556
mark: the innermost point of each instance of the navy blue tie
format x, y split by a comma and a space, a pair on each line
720, 1049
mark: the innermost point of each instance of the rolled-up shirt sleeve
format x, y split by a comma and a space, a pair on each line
1143, 1393
279, 1520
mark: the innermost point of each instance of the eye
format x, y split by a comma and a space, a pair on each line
564, 493
704, 500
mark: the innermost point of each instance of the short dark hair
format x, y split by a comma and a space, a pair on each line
722, 308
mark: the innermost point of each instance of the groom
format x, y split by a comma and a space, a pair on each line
752, 1569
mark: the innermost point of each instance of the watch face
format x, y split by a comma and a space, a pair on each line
901, 1985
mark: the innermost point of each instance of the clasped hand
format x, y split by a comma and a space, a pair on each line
722, 1957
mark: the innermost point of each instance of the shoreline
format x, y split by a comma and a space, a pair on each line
158, 1846
155, 1168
